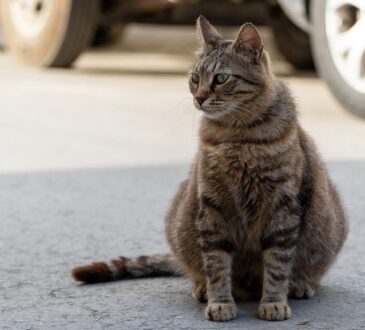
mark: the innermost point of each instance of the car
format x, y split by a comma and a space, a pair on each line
335, 32
326, 34
53, 33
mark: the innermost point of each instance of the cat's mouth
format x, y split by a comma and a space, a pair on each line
207, 110
210, 113
204, 108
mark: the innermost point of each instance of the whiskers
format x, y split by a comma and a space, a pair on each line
187, 104
192, 51
233, 112
248, 113
237, 115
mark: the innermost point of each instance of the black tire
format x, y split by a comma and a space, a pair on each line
351, 99
292, 42
67, 30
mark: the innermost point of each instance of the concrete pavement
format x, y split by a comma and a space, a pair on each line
89, 160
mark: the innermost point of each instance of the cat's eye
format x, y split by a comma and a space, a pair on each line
221, 78
195, 78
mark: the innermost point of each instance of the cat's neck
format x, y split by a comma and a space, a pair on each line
259, 122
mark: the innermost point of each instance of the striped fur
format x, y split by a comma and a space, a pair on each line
123, 268
258, 214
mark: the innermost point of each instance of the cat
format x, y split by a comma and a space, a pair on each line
258, 215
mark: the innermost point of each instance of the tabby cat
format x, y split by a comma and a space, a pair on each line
258, 215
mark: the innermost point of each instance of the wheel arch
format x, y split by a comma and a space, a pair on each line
298, 12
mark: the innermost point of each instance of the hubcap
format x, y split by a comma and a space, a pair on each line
29, 17
345, 29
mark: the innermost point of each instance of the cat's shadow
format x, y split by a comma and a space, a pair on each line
323, 310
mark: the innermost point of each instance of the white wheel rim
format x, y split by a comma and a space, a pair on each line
29, 17
345, 29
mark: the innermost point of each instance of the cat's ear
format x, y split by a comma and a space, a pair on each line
248, 39
208, 36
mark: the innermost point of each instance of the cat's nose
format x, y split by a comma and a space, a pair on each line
200, 99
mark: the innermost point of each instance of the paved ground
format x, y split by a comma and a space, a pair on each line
89, 160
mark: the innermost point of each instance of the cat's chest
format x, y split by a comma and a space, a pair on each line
236, 174
234, 165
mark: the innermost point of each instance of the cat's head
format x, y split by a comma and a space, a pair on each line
229, 75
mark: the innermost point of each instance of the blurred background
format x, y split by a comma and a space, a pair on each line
114, 72
98, 127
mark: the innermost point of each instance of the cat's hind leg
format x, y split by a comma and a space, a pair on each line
302, 290
304, 279
302, 285
200, 292
239, 293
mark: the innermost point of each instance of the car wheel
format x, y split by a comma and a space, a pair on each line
49, 33
292, 42
338, 42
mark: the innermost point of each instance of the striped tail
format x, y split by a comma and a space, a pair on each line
123, 268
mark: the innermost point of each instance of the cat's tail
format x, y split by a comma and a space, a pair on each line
123, 268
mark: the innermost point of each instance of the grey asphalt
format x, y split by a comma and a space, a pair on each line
89, 161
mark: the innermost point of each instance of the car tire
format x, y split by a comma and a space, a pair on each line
352, 99
292, 42
50, 35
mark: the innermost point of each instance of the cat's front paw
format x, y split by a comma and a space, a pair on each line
274, 311
220, 312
